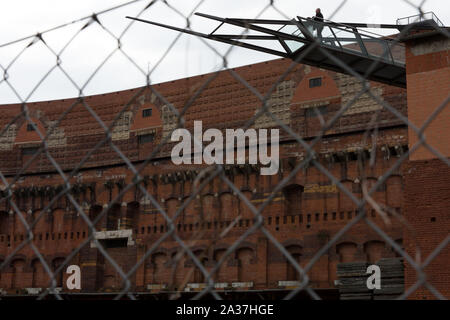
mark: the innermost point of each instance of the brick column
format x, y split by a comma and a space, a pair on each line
426, 177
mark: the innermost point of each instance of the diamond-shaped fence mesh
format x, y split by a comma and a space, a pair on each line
89, 181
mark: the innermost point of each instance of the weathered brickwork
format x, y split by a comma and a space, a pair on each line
427, 198
303, 217
427, 178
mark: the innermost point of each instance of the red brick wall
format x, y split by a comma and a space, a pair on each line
225, 103
426, 178
427, 199
428, 78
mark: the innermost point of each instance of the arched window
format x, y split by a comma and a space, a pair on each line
296, 252
58, 220
346, 251
159, 261
38, 277
394, 191
228, 207
244, 257
374, 251
293, 199
18, 276
199, 277
58, 274
220, 273
171, 206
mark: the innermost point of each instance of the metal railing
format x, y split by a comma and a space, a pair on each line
421, 17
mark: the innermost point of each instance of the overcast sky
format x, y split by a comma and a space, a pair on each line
146, 44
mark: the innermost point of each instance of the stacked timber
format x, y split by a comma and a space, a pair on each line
352, 281
353, 278
392, 279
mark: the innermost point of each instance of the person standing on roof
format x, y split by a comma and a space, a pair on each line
319, 27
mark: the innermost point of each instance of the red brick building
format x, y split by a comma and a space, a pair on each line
305, 215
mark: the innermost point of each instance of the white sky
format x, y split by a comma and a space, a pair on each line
146, 44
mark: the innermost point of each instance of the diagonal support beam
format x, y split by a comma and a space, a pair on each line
216, 38
360, 59
240, 23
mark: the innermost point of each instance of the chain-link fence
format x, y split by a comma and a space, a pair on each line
191, 263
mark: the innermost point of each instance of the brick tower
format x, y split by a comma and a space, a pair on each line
427, 176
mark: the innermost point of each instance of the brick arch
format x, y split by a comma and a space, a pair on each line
293, 242
221, 245
56, 255
158, 251
228, 203
39, 277
294, 248
159, 261
207, 193
245, 256
18, 256
201, 254
190, 208
347, 251
46, 259
371, 181
250, 249
374, 250
172, 197
184, 199
58, 220
346, 181
172, 253
133, 203
56, 263
197, 249
394, 191
18, 265
345, 202
296, 252
211, 207
218, 253
246, 244
377, 195
245, 210
171, 205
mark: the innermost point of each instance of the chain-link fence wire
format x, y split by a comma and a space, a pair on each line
209, 173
